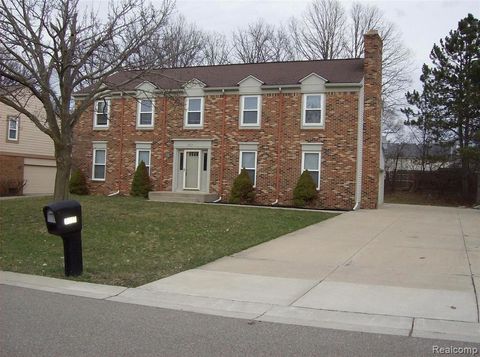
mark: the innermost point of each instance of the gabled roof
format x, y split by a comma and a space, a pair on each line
228, 76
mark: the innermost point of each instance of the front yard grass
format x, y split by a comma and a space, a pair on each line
130, 242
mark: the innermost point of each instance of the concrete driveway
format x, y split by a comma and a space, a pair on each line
419, 262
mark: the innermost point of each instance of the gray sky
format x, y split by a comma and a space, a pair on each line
422, 23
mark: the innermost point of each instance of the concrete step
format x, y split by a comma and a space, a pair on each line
194, 197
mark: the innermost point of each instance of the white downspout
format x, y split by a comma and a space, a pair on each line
217, 200
114, 194
359, 166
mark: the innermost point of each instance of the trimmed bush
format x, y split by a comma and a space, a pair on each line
242, 189
141, 184
305, 191
78, 183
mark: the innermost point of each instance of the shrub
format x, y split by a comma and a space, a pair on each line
305, 191
141, 184
242, 189
78, 183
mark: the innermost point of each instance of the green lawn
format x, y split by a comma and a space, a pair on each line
130, 242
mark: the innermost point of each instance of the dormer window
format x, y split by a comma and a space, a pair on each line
145, 113
102, 113
194, 112
313, 110
250, 110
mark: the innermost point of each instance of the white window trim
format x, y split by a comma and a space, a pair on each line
248, 168
259, 111
149, 159
185, 121
322, 115
94, 164
139, 112
319, 164
17, 122
95, 125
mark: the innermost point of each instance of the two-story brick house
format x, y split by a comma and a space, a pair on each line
196, 127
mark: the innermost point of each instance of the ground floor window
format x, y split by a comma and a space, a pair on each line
311, 162
143, 155
99, 164
248, 161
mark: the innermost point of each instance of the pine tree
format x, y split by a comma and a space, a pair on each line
141, 184
305, 191
78, 183
449, 106
242, 189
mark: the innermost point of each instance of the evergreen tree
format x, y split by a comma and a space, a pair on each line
449, 106
242, 189
141, 184
305, 191
78, 183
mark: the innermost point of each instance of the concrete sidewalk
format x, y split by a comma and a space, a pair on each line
406, 270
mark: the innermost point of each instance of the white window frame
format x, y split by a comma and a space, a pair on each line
149, 159
95, 124
94, 158
187, 102
17, 122
322, 110
248, 168
319, 164
139, 113
259, 110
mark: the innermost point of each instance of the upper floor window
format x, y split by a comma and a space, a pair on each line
311, 163
145, 113
13, 123
313, 111
194, 112
102, 113
250, 110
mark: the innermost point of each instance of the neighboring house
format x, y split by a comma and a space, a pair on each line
196, 127
26, 153
413, 157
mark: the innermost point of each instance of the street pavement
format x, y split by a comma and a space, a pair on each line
400, 270
38, 323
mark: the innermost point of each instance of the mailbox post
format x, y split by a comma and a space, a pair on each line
64, 219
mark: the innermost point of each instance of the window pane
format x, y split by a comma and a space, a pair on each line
13, 124
99, 172
314, 102
250, 103
251, 174
12, 134
310, 161
144, 156
100, 106
102, 119
248, 160
145, 119
250, 117
313, 116
146, 106
314, 175
100, 156
193, 118
194, 105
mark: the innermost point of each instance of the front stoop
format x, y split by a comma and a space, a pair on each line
192, 197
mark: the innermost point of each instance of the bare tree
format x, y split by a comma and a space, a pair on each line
320, 32
49, 50
262, 42
216, 49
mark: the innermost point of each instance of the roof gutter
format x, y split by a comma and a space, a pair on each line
359, 164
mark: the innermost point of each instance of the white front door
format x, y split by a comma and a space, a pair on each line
191, 174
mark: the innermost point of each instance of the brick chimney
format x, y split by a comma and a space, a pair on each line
372, 69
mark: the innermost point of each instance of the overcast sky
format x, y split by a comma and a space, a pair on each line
422, 23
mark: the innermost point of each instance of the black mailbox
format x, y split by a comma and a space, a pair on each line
64, 219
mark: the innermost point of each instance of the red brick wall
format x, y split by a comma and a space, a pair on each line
11, 173
372, 119
338, 150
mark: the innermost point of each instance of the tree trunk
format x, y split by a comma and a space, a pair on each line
63, 156
465, 185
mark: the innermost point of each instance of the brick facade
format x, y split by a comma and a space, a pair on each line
279, 140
